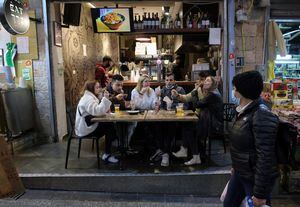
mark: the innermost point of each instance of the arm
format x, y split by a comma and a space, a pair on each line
95, 109
137, 98
182, 92
264, 130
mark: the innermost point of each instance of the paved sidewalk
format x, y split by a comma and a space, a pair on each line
43, 198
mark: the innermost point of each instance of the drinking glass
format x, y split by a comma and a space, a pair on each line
117, 108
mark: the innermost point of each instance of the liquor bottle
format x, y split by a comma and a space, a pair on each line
190, 23
157, 22
167, 22
145, 21
194, 23
153, 21
177, 21
204, 21
199, 21
162, 24
135, 23
207, 23
140, 23
187, 21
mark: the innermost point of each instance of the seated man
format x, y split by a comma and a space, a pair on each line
163, 142
117, 96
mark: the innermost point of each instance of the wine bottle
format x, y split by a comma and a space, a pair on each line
135, 23
149, 21
153, 21
145, 21
207, 23
177, 21
194, 23
190, 23
163, 22
204, 21
157, 22
199, 21
140, 23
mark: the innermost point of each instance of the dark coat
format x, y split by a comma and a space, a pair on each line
253, 137
210, 114
167, 92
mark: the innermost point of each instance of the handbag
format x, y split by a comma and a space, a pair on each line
88, 118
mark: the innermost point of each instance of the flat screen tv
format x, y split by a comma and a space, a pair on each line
110, 20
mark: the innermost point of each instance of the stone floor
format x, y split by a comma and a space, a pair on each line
45, 198
50, 158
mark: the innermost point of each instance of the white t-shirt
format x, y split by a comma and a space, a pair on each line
144, 101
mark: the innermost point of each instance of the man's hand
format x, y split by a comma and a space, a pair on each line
120, 97
258, 202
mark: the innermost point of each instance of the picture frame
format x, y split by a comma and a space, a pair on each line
1, 57
57, 34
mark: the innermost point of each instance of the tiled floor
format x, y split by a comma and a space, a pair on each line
50, 158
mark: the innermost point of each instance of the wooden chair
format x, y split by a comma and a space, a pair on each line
71, 115
228, 115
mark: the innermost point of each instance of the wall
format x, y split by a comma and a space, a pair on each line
249, 38
5, 37
77, 67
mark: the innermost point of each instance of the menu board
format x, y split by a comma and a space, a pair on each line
112, 20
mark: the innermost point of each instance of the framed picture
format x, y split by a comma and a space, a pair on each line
57, 34
1, 57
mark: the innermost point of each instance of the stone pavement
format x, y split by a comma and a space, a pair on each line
44, 198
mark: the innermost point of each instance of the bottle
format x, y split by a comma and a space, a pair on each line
135, 23
157, 22
199, 21
186, 77
190, 23
207, 23
171, 22
187, 21
203, 24
167, 22
140, 23
195, 20
177, 22
145, 21
153, 21
162, 24
149, 21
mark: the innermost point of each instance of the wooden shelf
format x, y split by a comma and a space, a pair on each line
169, 31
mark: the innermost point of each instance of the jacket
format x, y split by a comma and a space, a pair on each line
89, 104
167, 92
253, 137
101, 75
143, 102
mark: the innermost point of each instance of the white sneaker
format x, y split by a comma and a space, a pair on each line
181, 153
194, 161
109, 158
165, 160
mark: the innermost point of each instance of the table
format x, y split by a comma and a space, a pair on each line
146, 116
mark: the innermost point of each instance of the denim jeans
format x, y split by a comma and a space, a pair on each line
238, 189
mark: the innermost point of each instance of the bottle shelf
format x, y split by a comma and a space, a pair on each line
170, 31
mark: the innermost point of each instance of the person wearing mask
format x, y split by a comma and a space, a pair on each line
89, 104
210, 113
252, 137
164, 142
178, 68
101, 72
117, 96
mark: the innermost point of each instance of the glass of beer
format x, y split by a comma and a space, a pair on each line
117, 108
179, 109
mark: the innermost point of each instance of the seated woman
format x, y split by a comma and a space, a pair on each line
89, 104
209, 107
143, 96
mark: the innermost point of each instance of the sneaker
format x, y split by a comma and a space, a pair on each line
194, 161
165, 160
181, 153
109, 158
156, 155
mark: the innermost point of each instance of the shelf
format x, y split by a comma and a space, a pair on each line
169, 31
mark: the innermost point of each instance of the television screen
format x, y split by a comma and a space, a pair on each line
112, 19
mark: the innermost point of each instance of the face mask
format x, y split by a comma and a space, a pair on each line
235, 100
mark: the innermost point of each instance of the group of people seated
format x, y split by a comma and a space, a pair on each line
100, 98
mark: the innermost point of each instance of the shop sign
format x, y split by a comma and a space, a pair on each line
14, 16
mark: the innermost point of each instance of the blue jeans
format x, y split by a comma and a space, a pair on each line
238, 189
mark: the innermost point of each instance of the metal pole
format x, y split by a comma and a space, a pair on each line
48, 57
231, 47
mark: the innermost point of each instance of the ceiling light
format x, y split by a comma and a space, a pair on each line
143, 39
91, 5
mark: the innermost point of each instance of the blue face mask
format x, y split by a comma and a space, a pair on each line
234, 99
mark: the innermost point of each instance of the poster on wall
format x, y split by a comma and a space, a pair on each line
112, 19
25, 71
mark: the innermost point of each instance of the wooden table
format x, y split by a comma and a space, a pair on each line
147, 116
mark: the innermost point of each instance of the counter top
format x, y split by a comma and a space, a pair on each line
155, 84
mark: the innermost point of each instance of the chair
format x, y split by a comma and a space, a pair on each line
71, 113
228, 115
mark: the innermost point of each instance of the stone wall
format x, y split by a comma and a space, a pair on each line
249, 38
77, 67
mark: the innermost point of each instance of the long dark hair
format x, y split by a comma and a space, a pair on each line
214, 86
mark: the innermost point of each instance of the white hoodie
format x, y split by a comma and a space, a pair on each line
89, 104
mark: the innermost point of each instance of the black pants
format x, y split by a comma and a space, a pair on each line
107, 129
166, 132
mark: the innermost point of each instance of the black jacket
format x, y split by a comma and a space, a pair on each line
167, 92
253, 137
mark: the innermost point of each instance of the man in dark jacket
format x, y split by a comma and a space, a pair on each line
253, 137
